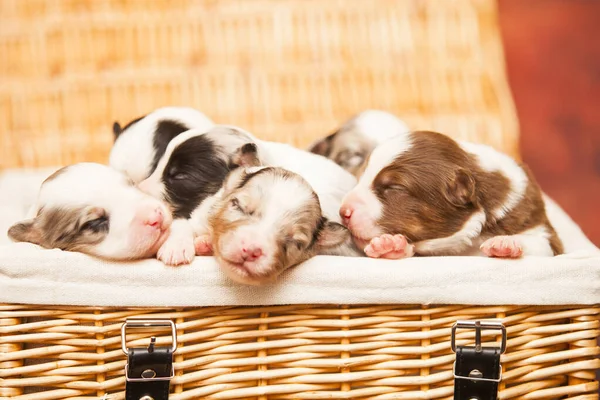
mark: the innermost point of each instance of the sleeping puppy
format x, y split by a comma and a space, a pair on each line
352, 143
196, 163
142, 142
423, 193
93, 209
268, 219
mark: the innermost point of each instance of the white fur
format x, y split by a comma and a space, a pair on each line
329, 181
460, 242
535, 242
98, 186
179, 247
133, 151
378, 125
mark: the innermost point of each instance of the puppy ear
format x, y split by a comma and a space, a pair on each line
25, 231
331, 235
460, 191
246, 156
323, 146
117, 129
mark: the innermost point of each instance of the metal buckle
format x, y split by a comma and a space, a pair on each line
161, 378
146, 324
472, 378
478, 326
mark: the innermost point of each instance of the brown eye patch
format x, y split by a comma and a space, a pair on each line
72, 228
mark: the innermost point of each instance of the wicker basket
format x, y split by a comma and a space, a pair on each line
289, 70
297, 352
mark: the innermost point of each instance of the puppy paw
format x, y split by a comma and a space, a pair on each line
502, 246
177, 251
391, 247
203, 245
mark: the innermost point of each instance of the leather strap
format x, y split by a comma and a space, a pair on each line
473, 365
149, 371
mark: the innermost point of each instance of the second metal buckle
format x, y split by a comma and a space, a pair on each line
478, 326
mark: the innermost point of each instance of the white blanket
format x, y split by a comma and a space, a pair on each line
31, 275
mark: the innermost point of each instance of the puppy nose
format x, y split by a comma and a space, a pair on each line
251, 253
346, 213
155, 218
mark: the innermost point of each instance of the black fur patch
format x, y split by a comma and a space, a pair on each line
195, 171
166, 130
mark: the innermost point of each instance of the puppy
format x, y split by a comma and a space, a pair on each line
93, 209
267, 219
352, 143
142, 142
196, 163
423, 193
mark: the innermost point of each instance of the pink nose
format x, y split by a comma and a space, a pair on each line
251, 253
346, 213
155, 218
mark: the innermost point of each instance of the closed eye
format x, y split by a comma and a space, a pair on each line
100, 224
179, 176
396, 188
235, 204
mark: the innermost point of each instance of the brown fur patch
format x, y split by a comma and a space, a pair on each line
65, 229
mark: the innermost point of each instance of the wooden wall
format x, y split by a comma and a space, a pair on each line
553, 59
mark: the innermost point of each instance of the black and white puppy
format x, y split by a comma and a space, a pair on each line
140, 144
352, 143
196, 163
91, 208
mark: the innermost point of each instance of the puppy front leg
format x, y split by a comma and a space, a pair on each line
391, 247
515, 246
178, 249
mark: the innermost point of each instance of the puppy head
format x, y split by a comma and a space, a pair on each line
195, 165
94, 209
140, 144
352, 143
267, 220
346, 147
419, 184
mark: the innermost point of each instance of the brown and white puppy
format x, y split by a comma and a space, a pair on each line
352, 143
268, 219
426, 194
93, 209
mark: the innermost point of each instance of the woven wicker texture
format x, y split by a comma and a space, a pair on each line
289, 70
297, 352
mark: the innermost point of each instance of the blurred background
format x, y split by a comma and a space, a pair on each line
522, 76
554, 73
